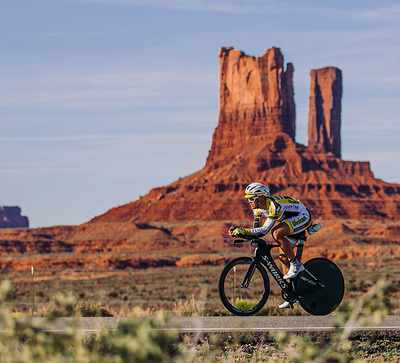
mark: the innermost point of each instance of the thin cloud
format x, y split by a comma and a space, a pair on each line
135, 136
98, 153
223, 6
134, 89
261, 7
232, 6
385, 13
80, 34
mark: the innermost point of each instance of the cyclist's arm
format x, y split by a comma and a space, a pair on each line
266, 227
255, 231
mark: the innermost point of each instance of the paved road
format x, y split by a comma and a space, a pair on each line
273, 323
222, 324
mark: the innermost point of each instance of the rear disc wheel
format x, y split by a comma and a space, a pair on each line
324, 300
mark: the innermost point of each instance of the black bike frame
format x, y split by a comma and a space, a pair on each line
263, 255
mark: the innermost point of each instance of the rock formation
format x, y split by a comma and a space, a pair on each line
256, 101
325, 110
10, 217
185, 223
254, 141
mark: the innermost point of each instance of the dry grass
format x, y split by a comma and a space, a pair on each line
180, 290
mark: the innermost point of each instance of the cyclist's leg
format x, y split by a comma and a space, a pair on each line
278, 233
284, 261
288, 227
285, 252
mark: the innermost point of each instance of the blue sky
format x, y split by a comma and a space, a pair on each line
102, 100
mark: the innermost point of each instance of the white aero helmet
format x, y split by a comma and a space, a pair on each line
255, 190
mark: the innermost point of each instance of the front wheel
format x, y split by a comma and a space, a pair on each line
321, 286
243, 286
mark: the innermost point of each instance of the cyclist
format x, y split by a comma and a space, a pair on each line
291, 216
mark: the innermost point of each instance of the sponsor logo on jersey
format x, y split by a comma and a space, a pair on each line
292, 206
299, 221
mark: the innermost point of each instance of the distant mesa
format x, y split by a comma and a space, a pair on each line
255, 141
10, 217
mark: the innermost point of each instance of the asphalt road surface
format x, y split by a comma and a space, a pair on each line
222, 324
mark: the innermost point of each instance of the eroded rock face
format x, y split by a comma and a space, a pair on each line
256, 100
325, 110
254, 141
10, 217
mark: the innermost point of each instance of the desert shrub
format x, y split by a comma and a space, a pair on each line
134, 340
244, 304
64, 306
113, 294
190, 307
367, 311
96, 310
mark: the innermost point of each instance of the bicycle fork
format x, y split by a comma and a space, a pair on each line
249, 275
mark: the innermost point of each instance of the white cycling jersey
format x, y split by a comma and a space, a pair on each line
282, 209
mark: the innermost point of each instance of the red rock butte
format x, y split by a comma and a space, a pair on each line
255, 141
10, 217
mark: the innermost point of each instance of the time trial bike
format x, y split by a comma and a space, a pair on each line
244, 285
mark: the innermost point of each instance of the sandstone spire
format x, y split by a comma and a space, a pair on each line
256, 102
325, 110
